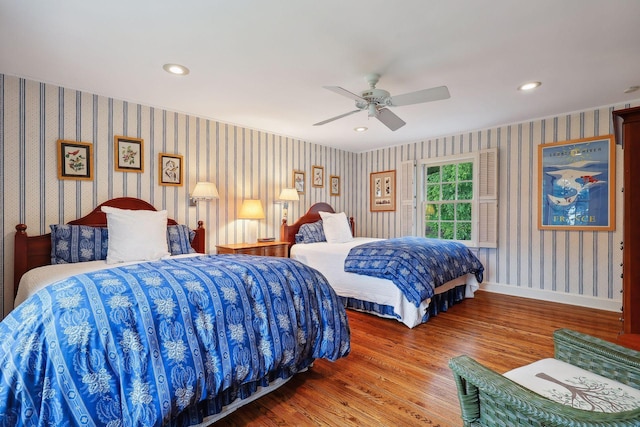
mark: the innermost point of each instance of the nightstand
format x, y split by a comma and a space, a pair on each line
278, 249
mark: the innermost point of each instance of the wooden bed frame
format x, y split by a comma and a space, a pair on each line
288, 232
35, 251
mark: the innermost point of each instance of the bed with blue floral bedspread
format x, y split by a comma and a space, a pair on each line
417, 265
423, 286
167, 342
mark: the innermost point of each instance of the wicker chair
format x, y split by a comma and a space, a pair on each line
490, 399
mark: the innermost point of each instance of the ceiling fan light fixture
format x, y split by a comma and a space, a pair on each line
177, 69
373, 112
360, 129
375, 101
529, 86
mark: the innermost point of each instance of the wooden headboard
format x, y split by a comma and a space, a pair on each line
288, 232
35, 251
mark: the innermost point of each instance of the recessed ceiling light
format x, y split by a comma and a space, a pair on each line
360, 129
177, 69
529, 86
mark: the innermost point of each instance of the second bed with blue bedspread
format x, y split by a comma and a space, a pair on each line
417, 265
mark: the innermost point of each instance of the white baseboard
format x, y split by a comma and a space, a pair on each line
561, 297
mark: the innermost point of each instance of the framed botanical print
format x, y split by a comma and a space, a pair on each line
170, 169
298, 181
317, 172
383, 191
334, 185
129, 153
75, 160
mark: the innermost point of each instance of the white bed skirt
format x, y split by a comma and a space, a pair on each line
328, 258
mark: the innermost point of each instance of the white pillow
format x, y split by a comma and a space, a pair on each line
336, 227
136, 235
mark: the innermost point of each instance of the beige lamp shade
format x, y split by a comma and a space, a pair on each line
288, 194
251, 209
205, 191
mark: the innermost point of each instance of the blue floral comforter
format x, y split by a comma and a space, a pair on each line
416, 265
164, 343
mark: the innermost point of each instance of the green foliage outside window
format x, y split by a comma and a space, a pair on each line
449, 192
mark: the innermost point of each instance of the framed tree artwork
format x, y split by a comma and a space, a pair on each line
129, 154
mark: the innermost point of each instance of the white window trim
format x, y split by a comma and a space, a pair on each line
440, 161
489, 200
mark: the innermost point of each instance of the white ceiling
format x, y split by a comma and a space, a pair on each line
262, 64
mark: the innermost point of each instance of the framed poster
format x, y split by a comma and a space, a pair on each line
576, 184
75, 160
129, 154
383, 191
298, 181
170, 172
317, 172
334, 185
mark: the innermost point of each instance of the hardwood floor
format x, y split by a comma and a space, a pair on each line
396, 376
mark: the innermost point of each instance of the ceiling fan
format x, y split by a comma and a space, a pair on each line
375, 101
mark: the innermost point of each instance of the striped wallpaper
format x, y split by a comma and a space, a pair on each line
576, 267
243, 163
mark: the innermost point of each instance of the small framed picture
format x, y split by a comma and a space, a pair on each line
170, 169
334, 185
317, 172
383, 191
129, 154
75, 160
298, 181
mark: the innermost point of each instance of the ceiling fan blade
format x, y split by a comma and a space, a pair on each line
336, 118
425, 95
389, 119
344, 92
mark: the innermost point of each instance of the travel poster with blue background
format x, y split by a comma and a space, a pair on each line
576, 184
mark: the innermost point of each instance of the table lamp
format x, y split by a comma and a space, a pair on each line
251, 209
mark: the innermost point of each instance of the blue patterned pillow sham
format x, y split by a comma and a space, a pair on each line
311, 233
77, 243
179, 238
81, 243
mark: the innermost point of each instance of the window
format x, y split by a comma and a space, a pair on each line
448, 198
452, 197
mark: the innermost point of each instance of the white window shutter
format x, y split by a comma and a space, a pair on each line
488, 198
408, 198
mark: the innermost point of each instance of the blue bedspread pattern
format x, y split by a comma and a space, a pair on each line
157, 343
417, 265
